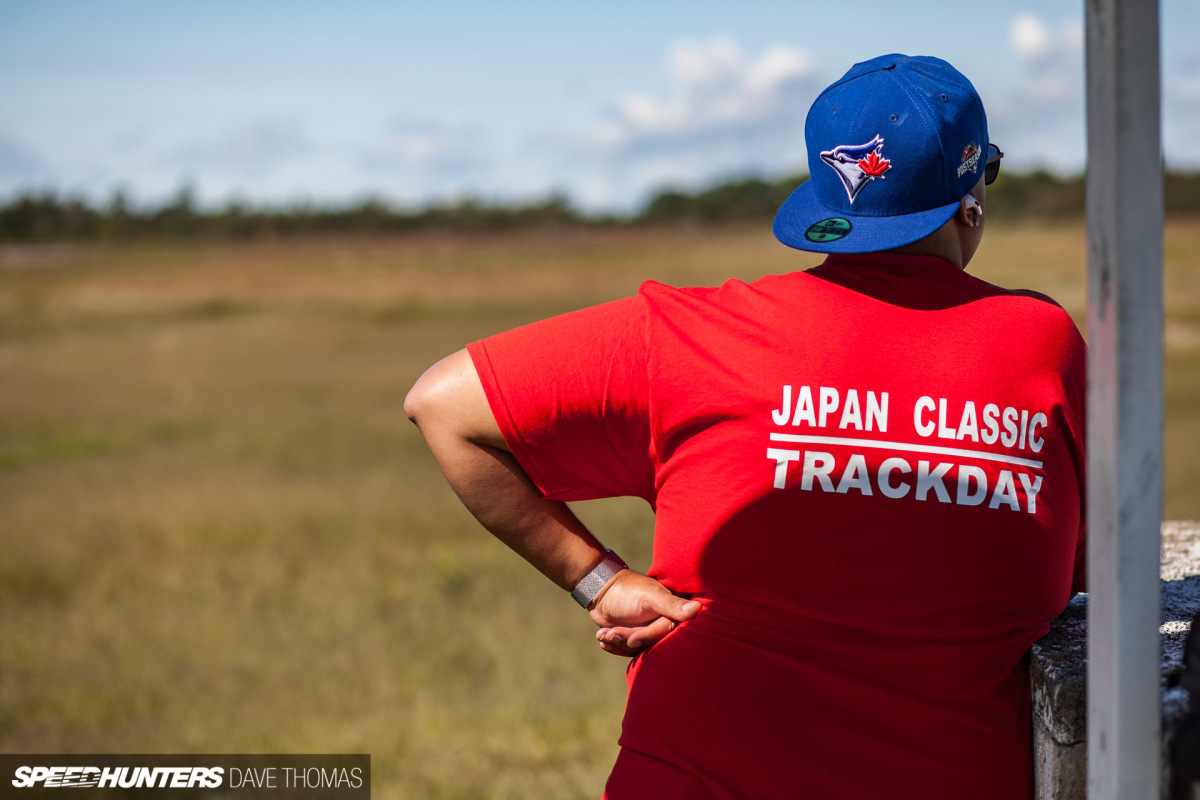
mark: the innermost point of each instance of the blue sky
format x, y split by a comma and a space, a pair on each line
421, 101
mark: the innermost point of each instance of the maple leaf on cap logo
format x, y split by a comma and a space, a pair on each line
873, 165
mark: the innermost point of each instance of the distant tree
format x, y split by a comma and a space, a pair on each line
178, 218
1036, 195
114, 222
47, 217
733, 201
44, 217
1182, 192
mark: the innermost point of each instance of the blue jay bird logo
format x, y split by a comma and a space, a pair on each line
858, 164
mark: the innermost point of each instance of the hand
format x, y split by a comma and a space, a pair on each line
634, 611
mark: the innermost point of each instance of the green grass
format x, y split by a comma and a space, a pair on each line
218, 533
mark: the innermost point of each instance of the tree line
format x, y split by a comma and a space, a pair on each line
48, 217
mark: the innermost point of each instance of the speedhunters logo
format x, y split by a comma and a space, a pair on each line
148, 777
123, 777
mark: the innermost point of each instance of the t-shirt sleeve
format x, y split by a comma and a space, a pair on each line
571, 397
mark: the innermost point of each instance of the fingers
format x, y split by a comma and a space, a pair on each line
629, 641
618, 650
662, 601
645, 636
612, 640
616, 635
674, 607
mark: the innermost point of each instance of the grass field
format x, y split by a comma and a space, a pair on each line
218, 532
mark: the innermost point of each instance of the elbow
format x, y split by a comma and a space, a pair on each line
416, 402
433, 392
449, 401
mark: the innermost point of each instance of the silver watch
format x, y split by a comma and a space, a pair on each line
586, 590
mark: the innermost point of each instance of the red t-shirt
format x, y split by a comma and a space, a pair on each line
870, 473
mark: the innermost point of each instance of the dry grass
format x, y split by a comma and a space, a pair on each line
219, 534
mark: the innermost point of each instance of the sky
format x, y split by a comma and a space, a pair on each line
419, 102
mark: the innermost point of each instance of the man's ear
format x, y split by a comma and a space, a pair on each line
970, 213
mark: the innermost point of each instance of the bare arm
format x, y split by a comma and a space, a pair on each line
450, 408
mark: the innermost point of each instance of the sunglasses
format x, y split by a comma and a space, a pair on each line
992, 168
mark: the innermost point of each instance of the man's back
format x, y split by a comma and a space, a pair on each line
868, 474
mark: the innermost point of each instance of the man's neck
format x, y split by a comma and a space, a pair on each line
944, 243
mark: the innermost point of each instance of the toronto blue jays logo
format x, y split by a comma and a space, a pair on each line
858, 164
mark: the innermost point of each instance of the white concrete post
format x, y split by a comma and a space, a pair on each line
1125, 398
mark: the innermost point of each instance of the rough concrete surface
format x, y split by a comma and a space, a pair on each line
1058, 671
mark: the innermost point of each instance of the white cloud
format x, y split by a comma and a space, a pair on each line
1181, 112
424, 150
1040, 120
705, 64
92, 170
1029, 36
778, 66
1053, 58
715, 89
724, 112
254, 148
278, 161
21, 167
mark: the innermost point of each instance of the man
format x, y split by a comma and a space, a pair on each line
867, 477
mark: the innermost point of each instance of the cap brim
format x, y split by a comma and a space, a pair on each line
866, 234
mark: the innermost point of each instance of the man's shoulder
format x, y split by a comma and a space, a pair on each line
1053, 313
1052, 306
731, 290
1034, 295
1038, 306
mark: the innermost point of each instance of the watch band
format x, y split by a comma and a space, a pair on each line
586, 590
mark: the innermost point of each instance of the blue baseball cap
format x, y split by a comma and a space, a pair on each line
893, 146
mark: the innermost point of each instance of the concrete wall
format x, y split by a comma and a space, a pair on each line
1058, 668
